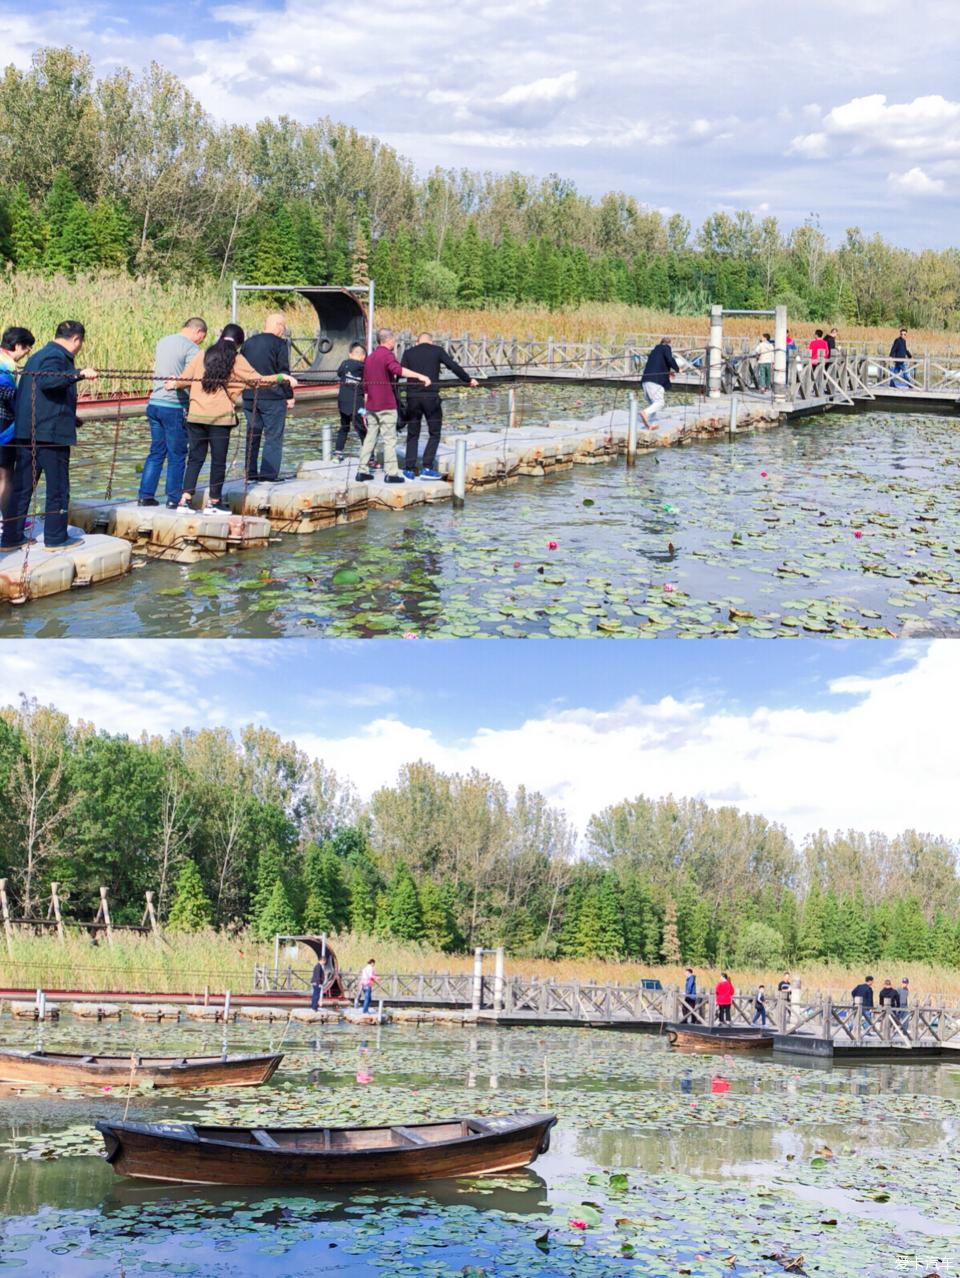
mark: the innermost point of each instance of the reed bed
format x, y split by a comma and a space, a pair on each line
125, 317
188, 963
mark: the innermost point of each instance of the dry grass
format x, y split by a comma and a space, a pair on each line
125, 317
189, 963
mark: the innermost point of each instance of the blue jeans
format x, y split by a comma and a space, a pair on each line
367, 995
168, 443
760, 1014
900, 376
314, 997
265, 423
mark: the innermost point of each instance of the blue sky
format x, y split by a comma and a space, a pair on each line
813, 734
850, 111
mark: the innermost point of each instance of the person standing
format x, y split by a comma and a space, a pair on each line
888, 995
900, 354
655, 379
380, 372
368, 978
15, 345
819, 347
689, 996
316, 984
764, 352
45, 429
833, 340
724, 993
166, 414
863, 994
217, 378
350, 397
760, 1006
424, 401
902, 1014
266, 411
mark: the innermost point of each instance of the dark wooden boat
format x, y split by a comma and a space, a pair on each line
325, 1155
693, 1039
60, 1069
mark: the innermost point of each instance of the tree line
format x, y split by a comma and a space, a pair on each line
250, 832
130, 173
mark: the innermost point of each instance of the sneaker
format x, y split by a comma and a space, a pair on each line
394, 479
364, 477
339, 456
427, 473
215, 508
410, 474
69, 544
173, 505
147, 501
29, 541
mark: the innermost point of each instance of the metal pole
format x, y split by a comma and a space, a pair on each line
632, 429
780, 353
41, 1005
370, 293
715, 352
233, 302
477, 979
459, 473
326, 442
226, 1018
733, 415
380, 1011
276, 961
498, 980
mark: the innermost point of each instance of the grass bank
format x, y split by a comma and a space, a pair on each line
187, 963
125, 317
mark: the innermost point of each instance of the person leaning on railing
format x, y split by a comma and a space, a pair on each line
216, 378
45, 429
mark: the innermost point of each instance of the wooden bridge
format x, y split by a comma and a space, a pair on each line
804, 1025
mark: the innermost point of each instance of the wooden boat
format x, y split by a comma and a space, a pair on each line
328, 1156
60, 1069
695, 1039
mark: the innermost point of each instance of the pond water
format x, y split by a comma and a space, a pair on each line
670, 1164
840, 525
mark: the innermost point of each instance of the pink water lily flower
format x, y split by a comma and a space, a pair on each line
578, 1224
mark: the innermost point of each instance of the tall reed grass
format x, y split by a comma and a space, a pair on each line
125, 317
188, 963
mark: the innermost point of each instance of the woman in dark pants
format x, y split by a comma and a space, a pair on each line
216, 378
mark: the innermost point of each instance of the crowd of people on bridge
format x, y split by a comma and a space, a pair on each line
193, 409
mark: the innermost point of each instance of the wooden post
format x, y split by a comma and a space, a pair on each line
550, 352
5, 910
54, 909
104, 914
498, 980
711, 1010
151, 914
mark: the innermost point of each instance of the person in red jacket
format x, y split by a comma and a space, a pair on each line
819, 347
724, 993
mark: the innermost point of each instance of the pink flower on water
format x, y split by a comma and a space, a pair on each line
763, 474
551, 545
668, 588
409, 634
517, 563
578, 1224
858, 534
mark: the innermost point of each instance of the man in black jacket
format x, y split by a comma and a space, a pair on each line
424, 401
899, 354
655, 380
267, 413
45, 428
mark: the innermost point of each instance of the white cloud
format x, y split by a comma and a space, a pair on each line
558, 88
927, 126
885, 762
915, 182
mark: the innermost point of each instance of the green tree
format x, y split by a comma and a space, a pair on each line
670, 943
759, 946
277, 917
111, 233
470, 267
28, 232
437, 904
327, 906
404, 917
191, 910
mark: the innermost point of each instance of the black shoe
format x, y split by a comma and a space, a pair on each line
173, 505
147, 501
394, 479
364, 477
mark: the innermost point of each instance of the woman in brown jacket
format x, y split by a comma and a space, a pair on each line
217, 378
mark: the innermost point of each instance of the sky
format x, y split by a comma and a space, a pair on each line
849, 111
811, 734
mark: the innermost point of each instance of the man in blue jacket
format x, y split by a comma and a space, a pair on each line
658, 370
45, 428
689, 996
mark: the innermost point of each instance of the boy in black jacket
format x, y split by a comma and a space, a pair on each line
350, 397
